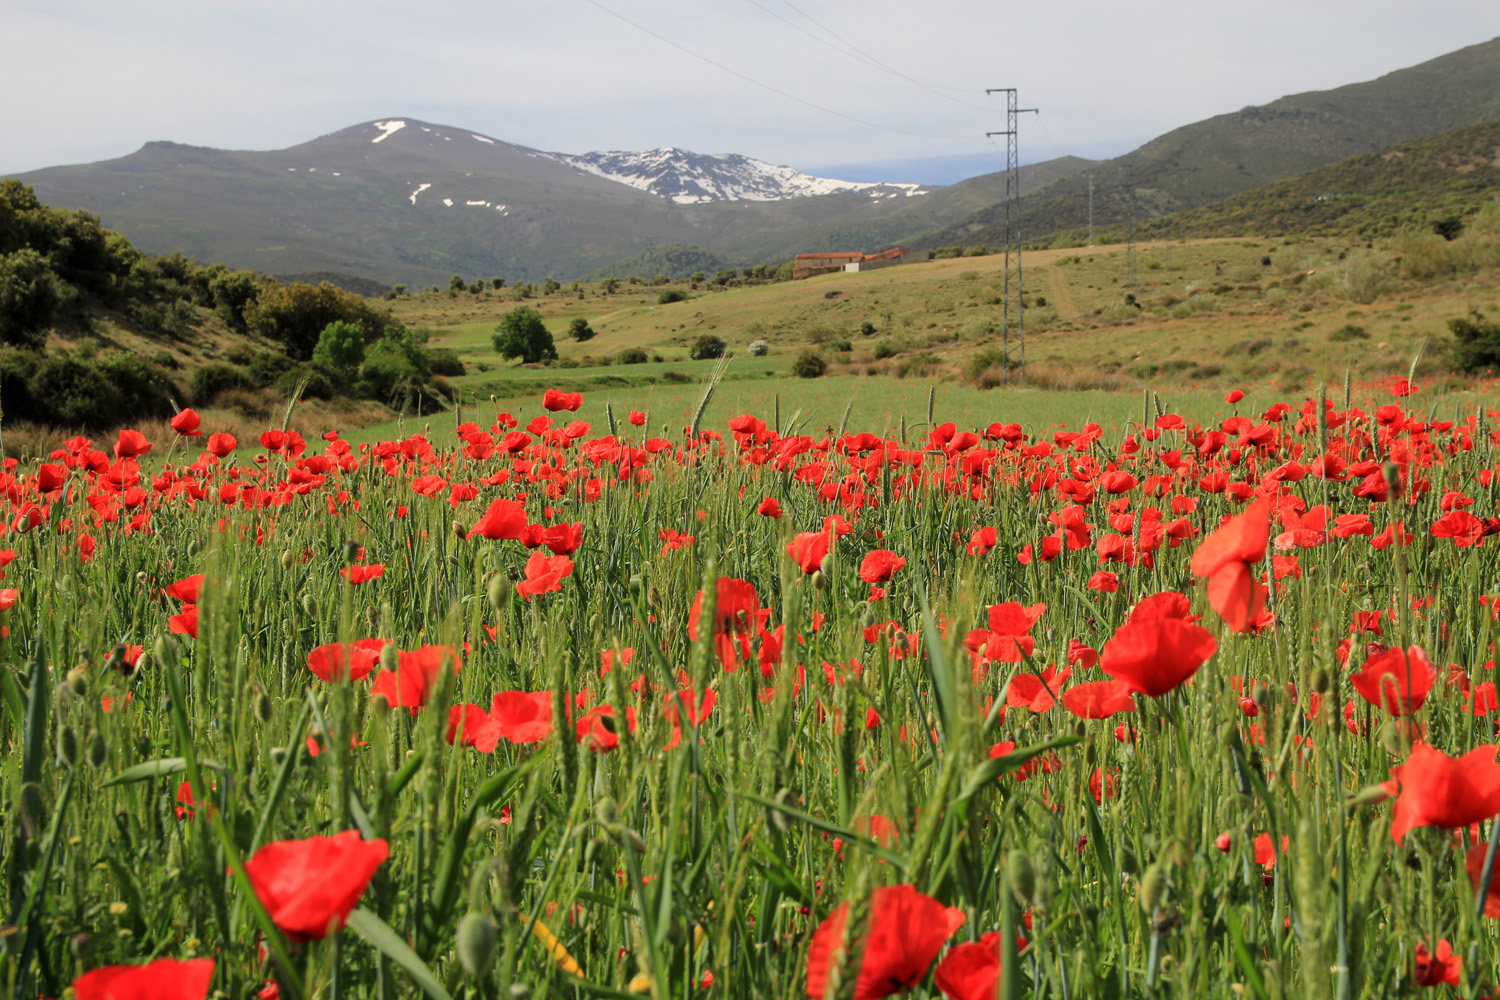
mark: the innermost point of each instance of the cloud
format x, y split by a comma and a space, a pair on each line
570, 75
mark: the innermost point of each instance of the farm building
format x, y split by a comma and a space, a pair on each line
809, 264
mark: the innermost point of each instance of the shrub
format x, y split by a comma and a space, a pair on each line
842, 346
706, 347
885, 349
444, 361
212, 381
671, 295
678, 377
30, 296
867, 329
759, 348
297, 314
1361, 278
1349, 331
631, 356
580, 330
320, 382
395, 369
809, 364
239, 354
341, 347
267, 366
522, 334
1477, 344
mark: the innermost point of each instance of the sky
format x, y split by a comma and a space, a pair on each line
874, 90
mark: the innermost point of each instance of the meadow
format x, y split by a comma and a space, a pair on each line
769, 689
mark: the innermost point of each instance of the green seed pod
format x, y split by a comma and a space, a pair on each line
1264, 696
500, 591
78, 680
826, 566
98, 750
478, 937
309, 604
1390, 738
818, 580
1021, 871
287, 559
67, 746
390, 656
1153, 887
1319, 680
1090, 754
605, 810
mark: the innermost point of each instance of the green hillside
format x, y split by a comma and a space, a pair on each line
1244, 150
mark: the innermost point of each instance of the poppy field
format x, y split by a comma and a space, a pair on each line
526, 707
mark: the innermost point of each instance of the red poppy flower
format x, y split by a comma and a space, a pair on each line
163, 979
1443, 967
906, 931
1104, 581
334, 660
131, 444
770, 507
637, 418
554, 400
480, 730
1474, 864
185, 623
1396, 680
186, 424
1156, 656
1037, 694
544, 574
880, 565
362, 574
1225, 558
971, 971
220, 445
808, 550
311, 886
981, 541
523, 716
187, 589
1433, 789
1167, 604
1098, 699
563, 539
415, 678
601, 727
1233, 396
8, 598
504, 519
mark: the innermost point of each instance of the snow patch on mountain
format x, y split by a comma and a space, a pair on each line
689, 178
388, 129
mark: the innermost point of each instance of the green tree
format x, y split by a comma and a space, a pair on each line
30, 296
724, 277
457, 283
809, 364
580, 330
497, 283
341, 347
696, 278
707, 346
550, 285
610, 285
1477, 342
522, 334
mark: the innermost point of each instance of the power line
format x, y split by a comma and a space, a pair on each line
1012, 231
859, 55
823, 27
766, 86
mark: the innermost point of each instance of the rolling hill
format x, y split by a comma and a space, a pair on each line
1232, 153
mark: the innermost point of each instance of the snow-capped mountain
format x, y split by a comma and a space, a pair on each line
689, 178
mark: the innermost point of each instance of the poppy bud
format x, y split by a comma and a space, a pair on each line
33, 809
778, 818
478, 936
1128, 863
390, 657
1319, 680
166, 649
351, 552
1367, 796
98, 750
826, 566
78, 679
309, 604
192, 547
1153, 887
459, 529
141, 664
1264, 695
520, 991
277, 755
67, 746
605, 811
262, 706
141, 577
1392, 474
1022, 874
1222, 842
1090, 755
500, 591
1390, 738
635, 584
287, 559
